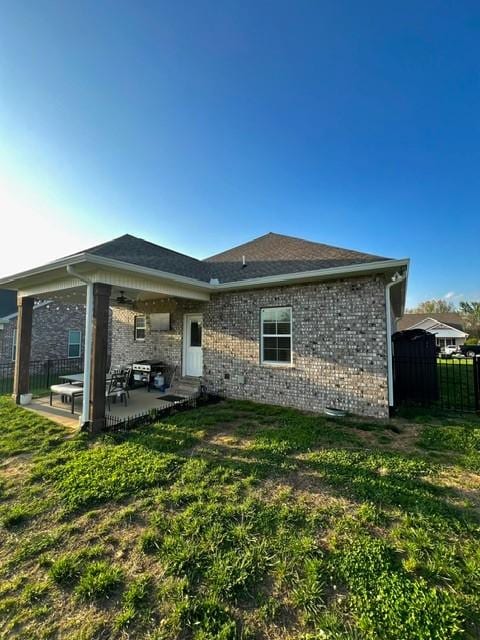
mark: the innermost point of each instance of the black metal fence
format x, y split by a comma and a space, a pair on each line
452, 384
42, 374
116, 424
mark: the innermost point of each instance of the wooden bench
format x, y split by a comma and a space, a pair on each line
70, 391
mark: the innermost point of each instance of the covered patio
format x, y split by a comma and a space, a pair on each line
140, 401
99, 283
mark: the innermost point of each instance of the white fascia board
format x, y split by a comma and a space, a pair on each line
440, 329
14, 281
148, 271
14, 278
317, 274
423, 321
17, 281
447, 333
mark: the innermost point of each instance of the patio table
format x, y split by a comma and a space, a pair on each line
77, 378
73, 378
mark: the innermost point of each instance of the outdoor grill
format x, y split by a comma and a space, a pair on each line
144, 371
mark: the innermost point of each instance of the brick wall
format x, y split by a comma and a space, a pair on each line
339, 344
339, 347
162, 345
50, 327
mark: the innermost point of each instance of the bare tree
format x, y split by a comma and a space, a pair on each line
433, 306
470, 312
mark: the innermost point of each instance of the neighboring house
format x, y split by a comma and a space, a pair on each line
447, 327
57, 329
278, 320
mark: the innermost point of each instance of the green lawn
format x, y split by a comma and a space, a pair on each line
456, 379
38, 384
241, 521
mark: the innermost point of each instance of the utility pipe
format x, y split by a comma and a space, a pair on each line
396, 279
87, 349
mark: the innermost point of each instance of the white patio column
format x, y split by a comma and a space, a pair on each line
87, 356
87, 347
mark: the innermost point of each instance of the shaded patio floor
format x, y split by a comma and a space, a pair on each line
140, 400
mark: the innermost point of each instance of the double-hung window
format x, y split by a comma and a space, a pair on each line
139, 328
276, 335
74, 343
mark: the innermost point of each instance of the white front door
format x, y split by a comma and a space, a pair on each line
192, 346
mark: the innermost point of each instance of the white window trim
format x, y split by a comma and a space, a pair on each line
144, 328
271, 363
14, 345
74, 344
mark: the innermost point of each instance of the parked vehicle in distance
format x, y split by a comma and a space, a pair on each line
450, 350
470, 350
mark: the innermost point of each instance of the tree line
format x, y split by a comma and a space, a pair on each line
469, 311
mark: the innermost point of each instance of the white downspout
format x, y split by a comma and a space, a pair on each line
87, 349
396, 278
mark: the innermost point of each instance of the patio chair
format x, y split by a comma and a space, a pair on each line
118, 388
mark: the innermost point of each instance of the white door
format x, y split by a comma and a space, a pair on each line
192, 341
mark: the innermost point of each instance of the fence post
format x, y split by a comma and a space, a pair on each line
48, 374
476, 379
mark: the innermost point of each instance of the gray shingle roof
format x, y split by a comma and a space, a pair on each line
451, 318
276, 254
134, 250
268, 255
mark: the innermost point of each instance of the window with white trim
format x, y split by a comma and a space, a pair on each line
139, 326
74, 343
276, 335
14, 345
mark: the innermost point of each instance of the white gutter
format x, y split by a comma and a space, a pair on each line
396, 279
286, 278
300, 276
87, 348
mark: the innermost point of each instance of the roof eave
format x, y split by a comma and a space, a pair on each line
18, 281
317, 274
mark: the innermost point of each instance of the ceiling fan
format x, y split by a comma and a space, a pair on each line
122, 299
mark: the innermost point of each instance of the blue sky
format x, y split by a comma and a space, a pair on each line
199, 125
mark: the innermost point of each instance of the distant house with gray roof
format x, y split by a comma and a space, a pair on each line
448, 328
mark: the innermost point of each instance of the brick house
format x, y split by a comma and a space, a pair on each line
448, 328
57, 329
278, 319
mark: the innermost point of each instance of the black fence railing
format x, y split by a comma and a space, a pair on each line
42, 374
452, 384
117, 424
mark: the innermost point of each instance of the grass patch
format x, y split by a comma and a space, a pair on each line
243, 521
108, 472
24, 431
15, 515
99, 580
136, 602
